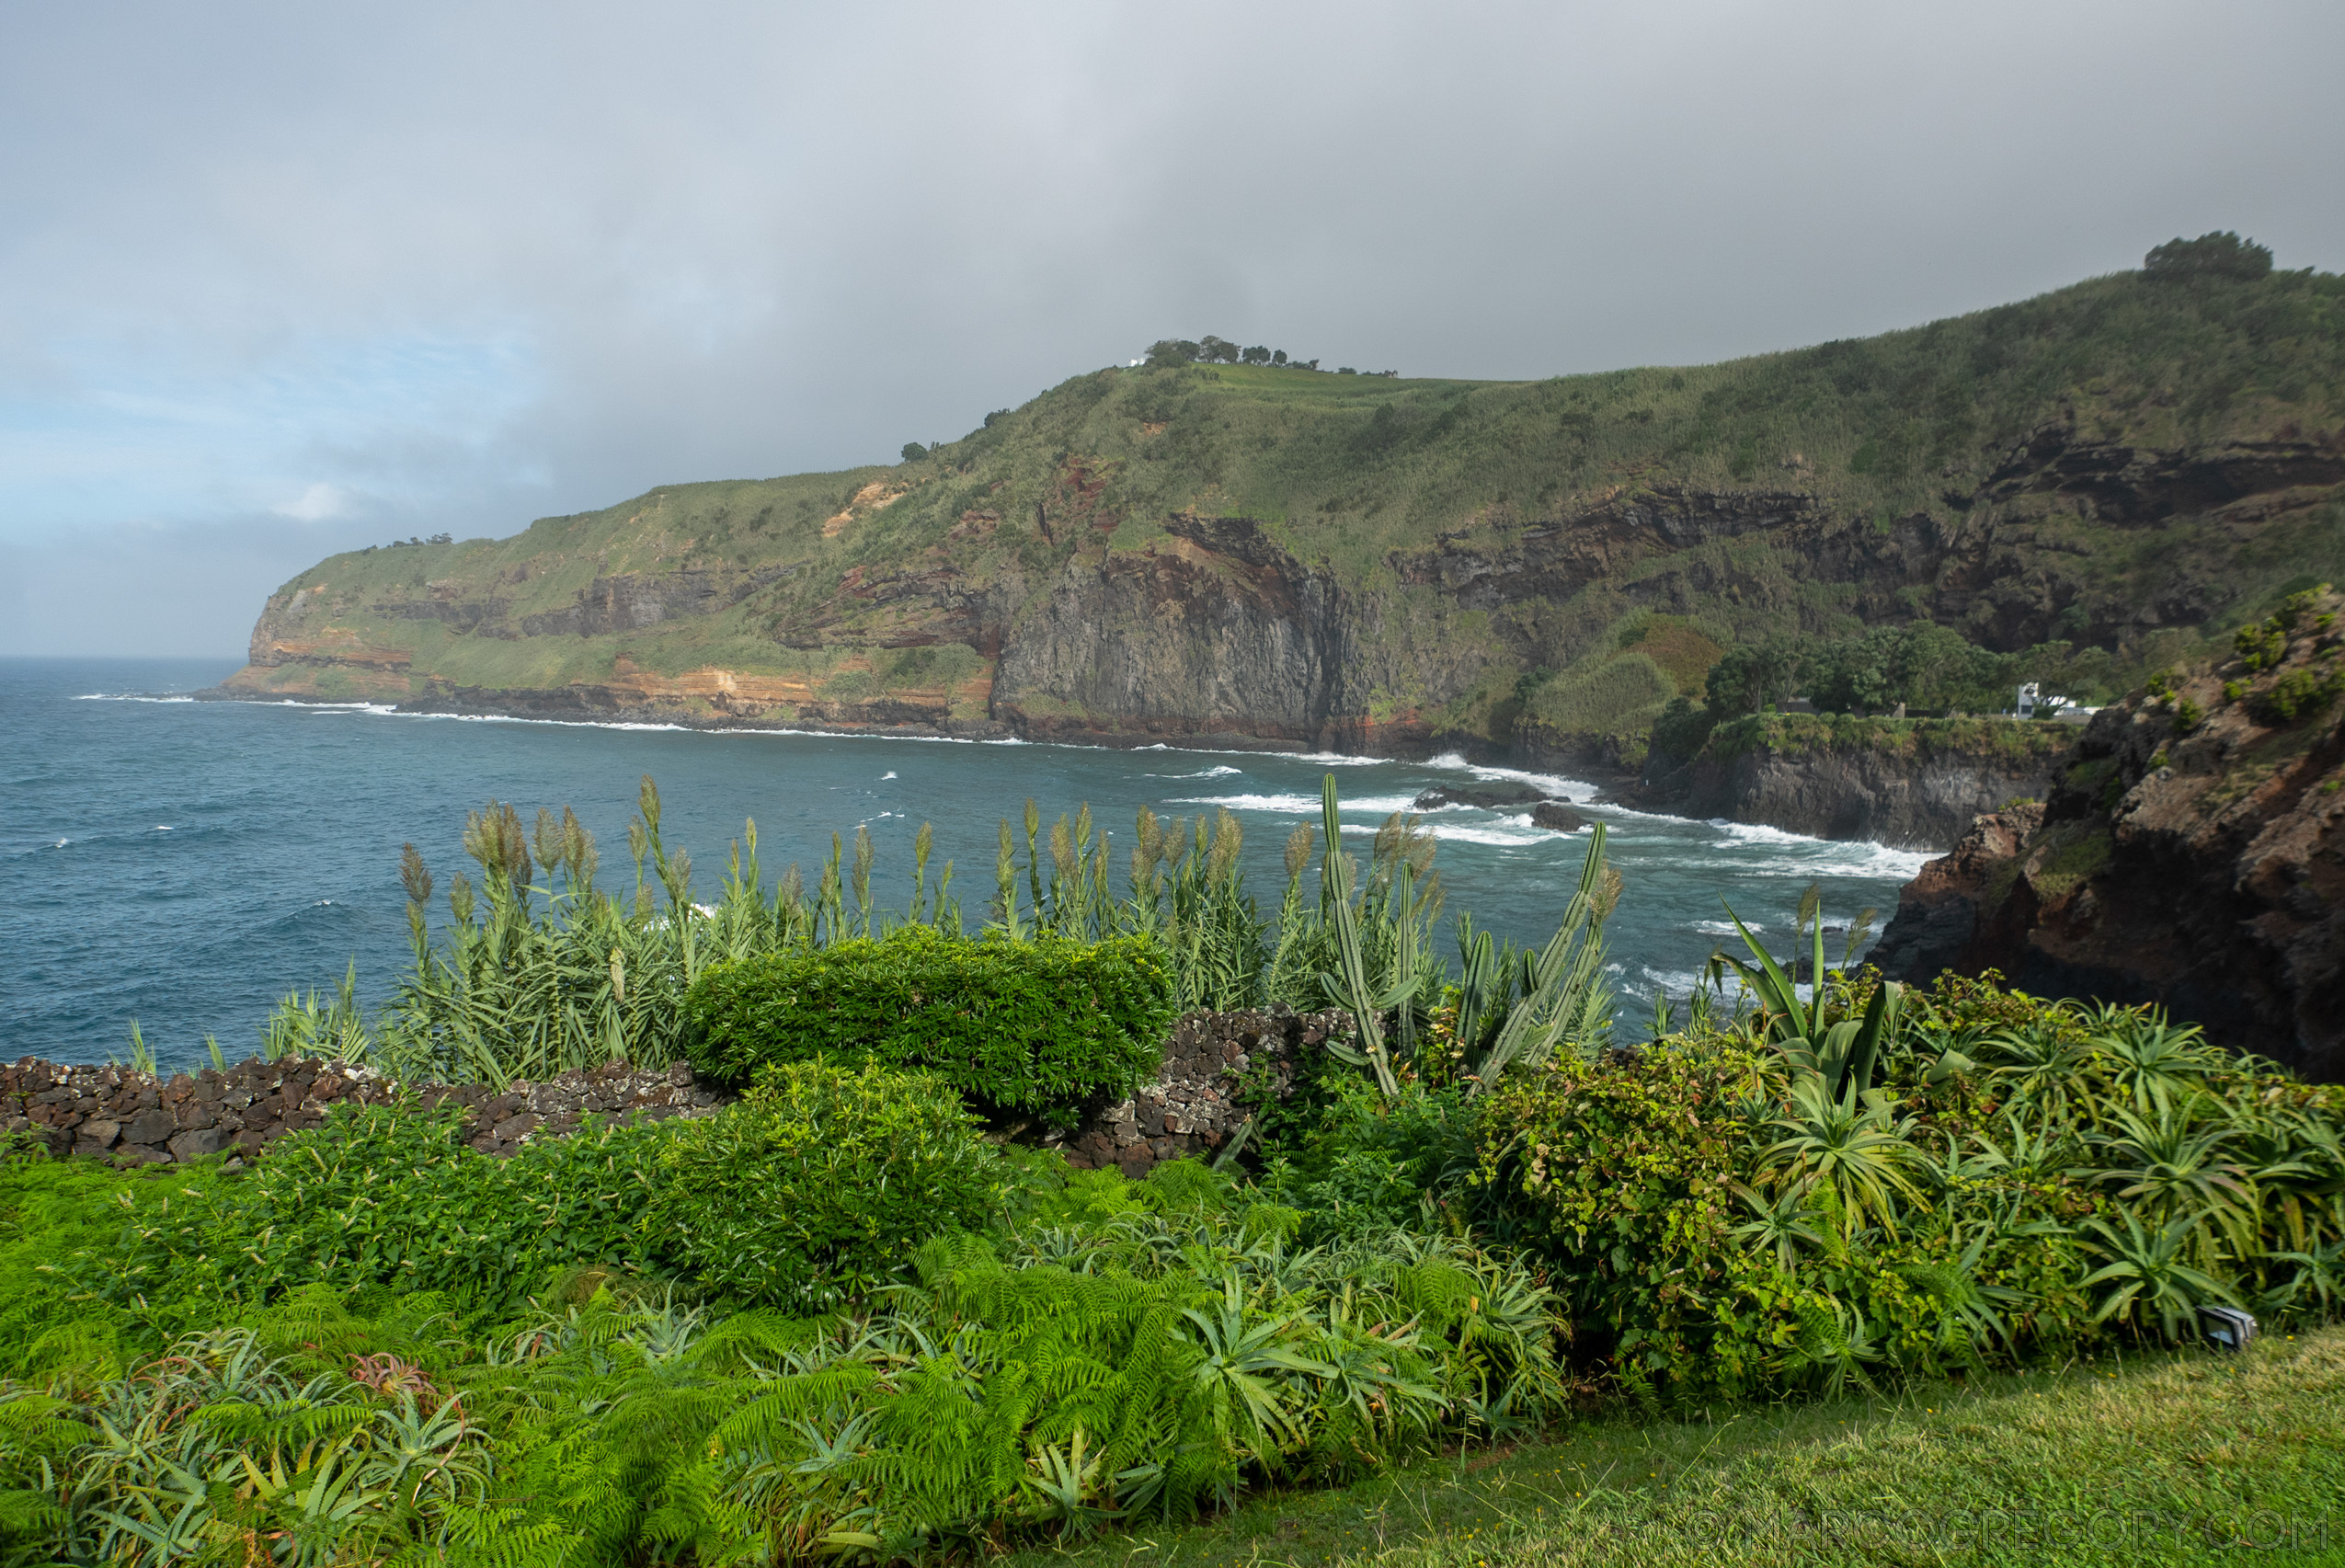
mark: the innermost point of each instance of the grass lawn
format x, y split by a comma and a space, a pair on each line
2185, 1458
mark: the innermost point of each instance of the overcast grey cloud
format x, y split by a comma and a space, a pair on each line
277, 280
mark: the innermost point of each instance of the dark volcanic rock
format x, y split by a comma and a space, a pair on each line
2193, 854
1216, 1067
1938, 918
1489, 797
1551, 813
1219, 1068
1911, 783
130, 1119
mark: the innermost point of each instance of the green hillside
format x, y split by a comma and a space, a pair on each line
2130, 464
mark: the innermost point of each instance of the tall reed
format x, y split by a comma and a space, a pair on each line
538, 970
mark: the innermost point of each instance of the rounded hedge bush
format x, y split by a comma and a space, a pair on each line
1033, 1026
816, 1186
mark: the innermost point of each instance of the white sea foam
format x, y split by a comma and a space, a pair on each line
1554, 783
1217, 772
1377, 805
1723, 928
1457, 832
163, 827
1382, 805
1676, 984
888, 774
1844, 857
1289, 804
128, 697
1760, 833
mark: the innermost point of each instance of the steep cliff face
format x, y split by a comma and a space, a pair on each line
1913, 784
2193, 854
1215, 630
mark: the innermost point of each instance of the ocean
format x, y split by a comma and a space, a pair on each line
185, 863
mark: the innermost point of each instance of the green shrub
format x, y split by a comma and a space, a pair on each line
1035, 1026
1680, 731
2297, 694
1621, 1177
387, 1196
816, 1188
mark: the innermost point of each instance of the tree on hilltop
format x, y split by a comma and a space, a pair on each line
1166, 353
2220, 255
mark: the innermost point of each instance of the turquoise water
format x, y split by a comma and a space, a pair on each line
185, 862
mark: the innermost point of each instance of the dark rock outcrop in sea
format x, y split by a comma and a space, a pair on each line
1486, 796
2192, 853
1911, 783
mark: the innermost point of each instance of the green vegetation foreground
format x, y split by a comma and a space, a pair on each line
835, 1320
2138, 1460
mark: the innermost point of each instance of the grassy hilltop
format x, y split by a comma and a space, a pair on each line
2132, 464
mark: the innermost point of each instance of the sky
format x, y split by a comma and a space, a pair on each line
277, 281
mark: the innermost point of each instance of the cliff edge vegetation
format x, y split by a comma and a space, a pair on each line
1277, 555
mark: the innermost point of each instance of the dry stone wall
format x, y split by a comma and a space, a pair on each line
132, 1118
1194, 1108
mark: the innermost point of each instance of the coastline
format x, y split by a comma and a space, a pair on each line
1412, 746
1609, 787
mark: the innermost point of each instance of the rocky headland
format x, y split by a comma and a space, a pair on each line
1523, 572
2190, 853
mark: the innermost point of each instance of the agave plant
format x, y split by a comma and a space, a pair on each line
1843, 1056
2149, 1062
1782, 1224
2042, 1065
2146, 1273
1848, 1143
2171, 1168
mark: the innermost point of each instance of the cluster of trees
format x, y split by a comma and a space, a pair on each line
1921, 665
1213, 350
2220, 255
411, 539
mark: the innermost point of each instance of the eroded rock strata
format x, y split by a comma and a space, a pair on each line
1912, 783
